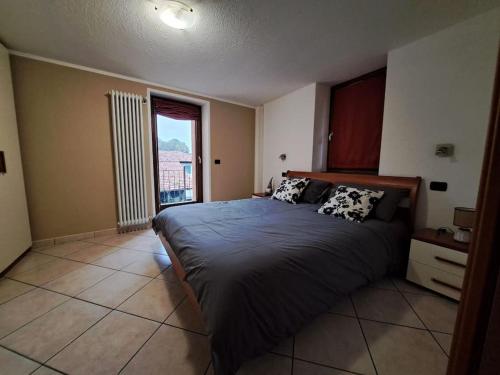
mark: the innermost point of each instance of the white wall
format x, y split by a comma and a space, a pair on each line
439, 90
259, 138
15, 236
321, 127
297, 125
288, 129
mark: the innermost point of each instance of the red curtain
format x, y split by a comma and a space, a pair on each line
356, 124
176, 110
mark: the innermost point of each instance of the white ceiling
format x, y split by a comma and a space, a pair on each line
248, 51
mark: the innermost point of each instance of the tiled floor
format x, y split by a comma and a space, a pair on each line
113, 305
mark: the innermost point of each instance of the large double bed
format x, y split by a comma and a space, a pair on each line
259, 269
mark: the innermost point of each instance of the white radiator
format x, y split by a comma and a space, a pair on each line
128, 141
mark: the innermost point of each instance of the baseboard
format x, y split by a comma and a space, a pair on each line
84, 236
72, 237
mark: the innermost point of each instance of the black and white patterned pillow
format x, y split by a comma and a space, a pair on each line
351, 203
290, 190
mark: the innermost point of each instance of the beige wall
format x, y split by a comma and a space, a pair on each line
66, 146
15, 237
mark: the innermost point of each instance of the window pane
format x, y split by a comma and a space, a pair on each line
175, 159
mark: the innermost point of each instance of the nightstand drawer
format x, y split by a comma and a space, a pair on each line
442, 282
448, 260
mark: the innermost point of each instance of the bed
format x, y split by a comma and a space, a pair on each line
259, 269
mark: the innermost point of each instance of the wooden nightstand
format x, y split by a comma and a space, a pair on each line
437, 262
260, 195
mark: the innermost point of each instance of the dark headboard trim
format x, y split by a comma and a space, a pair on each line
412, 184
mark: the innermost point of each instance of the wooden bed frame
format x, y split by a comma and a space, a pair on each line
410, 183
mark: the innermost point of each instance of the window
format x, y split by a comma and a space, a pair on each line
176, 152
356, 115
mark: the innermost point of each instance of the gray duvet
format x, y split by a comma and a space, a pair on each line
262, 268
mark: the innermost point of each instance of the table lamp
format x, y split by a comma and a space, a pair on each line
464, 220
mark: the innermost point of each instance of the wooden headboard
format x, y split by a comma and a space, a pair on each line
412, 184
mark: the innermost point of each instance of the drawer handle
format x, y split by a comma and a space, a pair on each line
440, 259
446, 284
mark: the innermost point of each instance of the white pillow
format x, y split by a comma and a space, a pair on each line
290, 190
351, 203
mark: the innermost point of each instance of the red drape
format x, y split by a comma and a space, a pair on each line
356, 123
176, 110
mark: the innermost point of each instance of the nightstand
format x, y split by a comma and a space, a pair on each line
437, 262
260, 195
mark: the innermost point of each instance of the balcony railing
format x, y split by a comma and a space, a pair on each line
175, 186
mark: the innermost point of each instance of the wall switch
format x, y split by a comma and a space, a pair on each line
438, 186
283, 174
3, 168
217, 161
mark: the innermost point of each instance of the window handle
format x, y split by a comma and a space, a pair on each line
330, 136
199, 159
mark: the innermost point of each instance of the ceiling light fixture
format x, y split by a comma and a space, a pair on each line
175, 13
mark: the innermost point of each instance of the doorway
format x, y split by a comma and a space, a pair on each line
177, 162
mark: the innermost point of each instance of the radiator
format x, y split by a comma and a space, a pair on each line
128, 144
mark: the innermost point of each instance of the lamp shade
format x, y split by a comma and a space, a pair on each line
464, 217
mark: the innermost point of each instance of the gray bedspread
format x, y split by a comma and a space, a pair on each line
262, 268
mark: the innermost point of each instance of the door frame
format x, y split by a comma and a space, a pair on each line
206, 191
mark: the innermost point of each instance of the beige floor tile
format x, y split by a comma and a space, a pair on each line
25, 308
305, 368
171, 351
91, 253
14, 364
65, 249
400, 350
169, 275
45, 371
151, 266
10, 289
285, 347
334, 340
113, 240
444, 340
115, 289
344, 307
120, 259
106, 347
383, 284
437, 313
29, 262
77, 281
268, 364
47, 272
385, 306
155, 301
185, 316
45, 336
146, 232
409, 287
145, 243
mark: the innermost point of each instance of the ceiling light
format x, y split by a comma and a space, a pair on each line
175, 14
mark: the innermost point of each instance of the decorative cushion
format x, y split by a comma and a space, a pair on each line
388, 204
351, 203
315, 191
290, 190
